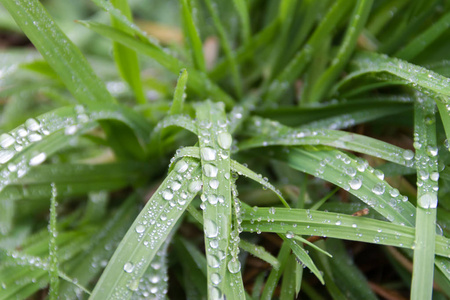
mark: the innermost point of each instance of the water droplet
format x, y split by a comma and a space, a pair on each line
408, 154
215, 278
394, 193
34, 137
216, 293
38, 159
272, 210
211, 229
379, 174
424, 175
434, 176
128, 267
6, 140
355, 183
71, 130
234, 266
167, 194
427, 201
212, 199
208, 153
350, 171
140, 228
6, 155
176, 185
354, 225
210, 170
224, 140
338, 223
214, 183
32, 124
195, 186
378, 189
181, 166
213, 262
432, 151
289, 234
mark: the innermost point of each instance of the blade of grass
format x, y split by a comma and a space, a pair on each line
275, 274
53, 249
427, 201
197, 81
270, 133
60, 53
215, 144
241, 7
148, 232
259, 252
226, 47
126, 59
357, 21
192, 36
179, 95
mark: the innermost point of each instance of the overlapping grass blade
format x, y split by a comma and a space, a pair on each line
60, 53
357, 22
126, 59
259, 252
269, 133
275, 274
179, 94
144, 238
427, 198
242, 9
192, 36
215, 143
198, 81
308, 222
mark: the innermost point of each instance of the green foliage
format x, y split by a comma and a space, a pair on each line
116, 175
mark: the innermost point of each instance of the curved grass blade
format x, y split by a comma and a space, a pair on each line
259, 252
275, 274
192, 36
198, 81
357, 21
308, 222
215, 143
179, 95
355, 176
270, 133
126, 59
427, 198
59, 51
153, 225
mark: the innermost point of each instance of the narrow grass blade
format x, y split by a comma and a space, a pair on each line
126, 59
226, 47
148, 232
259, 252
308, 222
215, 143
192, 36
275, 274
179, 95
241, 7
61, 54
427, 198
298, 64
357, 21
269, 133
355, 176
302, 256
198, 81
53, 249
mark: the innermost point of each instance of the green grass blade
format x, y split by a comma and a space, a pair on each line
197, 81
126, 59
259, 252
275, 274
427, 198
215, 143
179, 95
148, 232
356, 177
226, 47
241, 7
270, 133
334, 225
53, 249
192, 36
61, 54
357, 21
298, 64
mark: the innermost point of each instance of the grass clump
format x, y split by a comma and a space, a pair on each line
148, 138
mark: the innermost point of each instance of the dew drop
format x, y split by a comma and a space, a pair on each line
214, 183
6, 140
234, 266
394, 193
212, 199
210, 170
427, 201
378, 189
70, 130
211, 229
289, 234
338, 223
181, 166
6, 155
272, 210
176, 185
128, 267
208, 153
167, 194
224, 140
195, 186
32, 124
379, 174
350, 171
140, 228
215, 278
38, 159
434, 176
212, 260
408, 154
355, 183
